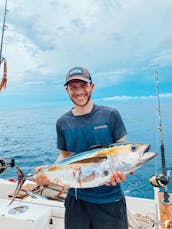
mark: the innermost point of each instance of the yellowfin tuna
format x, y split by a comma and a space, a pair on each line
94, 167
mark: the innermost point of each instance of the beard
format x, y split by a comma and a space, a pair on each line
81, 105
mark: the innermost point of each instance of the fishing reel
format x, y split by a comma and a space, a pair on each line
161, 180
4, 165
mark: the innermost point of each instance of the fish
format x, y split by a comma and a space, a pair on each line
94, 167
36, 196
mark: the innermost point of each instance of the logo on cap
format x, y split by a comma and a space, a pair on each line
76, 71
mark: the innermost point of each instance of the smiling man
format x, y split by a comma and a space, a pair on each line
84, 126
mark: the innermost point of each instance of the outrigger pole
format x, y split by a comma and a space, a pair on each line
2, 59
163, 178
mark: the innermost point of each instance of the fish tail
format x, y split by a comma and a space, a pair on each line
20, 182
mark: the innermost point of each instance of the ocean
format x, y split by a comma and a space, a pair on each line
29, 137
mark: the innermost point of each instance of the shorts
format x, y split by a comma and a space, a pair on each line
84, 215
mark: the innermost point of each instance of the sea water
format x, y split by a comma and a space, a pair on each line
29, 137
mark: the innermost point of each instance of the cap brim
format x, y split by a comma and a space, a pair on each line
78, 78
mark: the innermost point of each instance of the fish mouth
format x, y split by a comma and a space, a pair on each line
147, 148
146, 154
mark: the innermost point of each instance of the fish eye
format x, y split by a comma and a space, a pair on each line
134, 148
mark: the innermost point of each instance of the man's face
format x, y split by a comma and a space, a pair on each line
79, 92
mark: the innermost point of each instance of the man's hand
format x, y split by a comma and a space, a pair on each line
116, 178
40, 178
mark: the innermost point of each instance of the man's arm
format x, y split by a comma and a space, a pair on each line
63, 155
123, 139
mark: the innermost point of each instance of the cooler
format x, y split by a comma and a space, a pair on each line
24, 215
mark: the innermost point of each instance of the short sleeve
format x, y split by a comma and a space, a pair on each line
117, 125
60, 137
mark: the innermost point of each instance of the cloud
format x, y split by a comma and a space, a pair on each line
163, 59
113, 39
125, 98
111, 78
167, 95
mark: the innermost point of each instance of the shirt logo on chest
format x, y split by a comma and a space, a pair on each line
100, 127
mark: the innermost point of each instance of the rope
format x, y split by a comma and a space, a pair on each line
140, 221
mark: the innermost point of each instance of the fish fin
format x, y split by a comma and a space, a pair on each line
20, 182
84, 155
99, 146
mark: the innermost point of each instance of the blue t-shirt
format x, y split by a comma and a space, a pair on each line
103, 125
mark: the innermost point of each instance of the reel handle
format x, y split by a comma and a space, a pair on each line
4, 165
12, 163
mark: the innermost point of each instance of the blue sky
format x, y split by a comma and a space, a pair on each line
122, 43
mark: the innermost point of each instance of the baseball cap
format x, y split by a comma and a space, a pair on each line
78, 73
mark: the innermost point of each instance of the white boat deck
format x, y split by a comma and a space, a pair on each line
143, 213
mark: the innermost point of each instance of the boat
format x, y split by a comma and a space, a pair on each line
41, 208
32, 212
38, 213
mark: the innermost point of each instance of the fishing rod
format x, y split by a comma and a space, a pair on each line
2, 59
162, 179
3, 29
162, 149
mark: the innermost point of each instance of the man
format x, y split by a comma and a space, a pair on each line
84, 126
